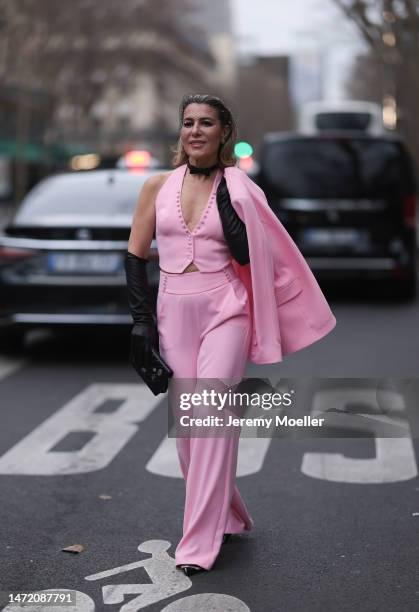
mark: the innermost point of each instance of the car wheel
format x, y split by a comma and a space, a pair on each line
406, 289
11, 340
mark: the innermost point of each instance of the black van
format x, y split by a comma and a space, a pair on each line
348, 200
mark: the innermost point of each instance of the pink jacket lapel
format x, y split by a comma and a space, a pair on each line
289, 310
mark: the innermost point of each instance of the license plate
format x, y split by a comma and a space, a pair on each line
332, 237
102, 263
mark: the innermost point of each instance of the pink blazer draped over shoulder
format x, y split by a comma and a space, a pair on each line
289, 310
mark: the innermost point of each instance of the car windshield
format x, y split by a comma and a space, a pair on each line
344, 121
95, 195
336, 168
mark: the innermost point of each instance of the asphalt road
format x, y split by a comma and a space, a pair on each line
85, 459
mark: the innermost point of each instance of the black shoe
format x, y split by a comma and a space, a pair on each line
226, 537
192, 569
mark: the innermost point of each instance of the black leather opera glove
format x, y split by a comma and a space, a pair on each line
233, 227
144, 334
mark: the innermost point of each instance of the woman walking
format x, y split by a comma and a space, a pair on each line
213, 229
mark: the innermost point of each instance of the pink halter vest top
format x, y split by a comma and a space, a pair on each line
205, 245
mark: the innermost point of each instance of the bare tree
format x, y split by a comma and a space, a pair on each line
76, 51
365, 81
77, 48
391, 29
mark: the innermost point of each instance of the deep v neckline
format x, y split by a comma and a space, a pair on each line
206, 207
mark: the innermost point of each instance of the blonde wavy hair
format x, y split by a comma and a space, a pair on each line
226, 155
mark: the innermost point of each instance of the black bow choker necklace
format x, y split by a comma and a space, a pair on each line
197, 170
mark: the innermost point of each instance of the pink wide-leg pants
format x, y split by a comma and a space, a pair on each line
204, 333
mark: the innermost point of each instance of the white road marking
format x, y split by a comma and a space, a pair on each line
252, 453
251, 457
394, 462
33, 455
207, 602
166, 579
395, 457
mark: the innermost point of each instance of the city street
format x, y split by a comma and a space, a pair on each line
85, 459
261, 146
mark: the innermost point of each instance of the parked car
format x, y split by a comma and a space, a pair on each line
349, 202
61, 255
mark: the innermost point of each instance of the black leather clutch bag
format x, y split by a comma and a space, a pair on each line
157, 376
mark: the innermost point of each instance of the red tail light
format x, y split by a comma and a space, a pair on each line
11, 253
409, 210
